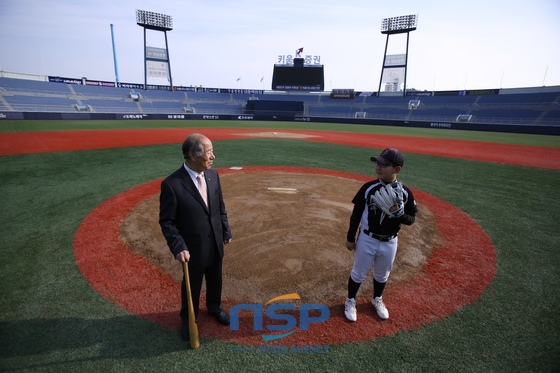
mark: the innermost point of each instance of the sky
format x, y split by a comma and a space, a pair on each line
475, 44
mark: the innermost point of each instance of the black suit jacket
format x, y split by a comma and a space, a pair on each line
186, 222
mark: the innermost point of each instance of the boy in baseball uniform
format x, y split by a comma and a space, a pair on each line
380, 207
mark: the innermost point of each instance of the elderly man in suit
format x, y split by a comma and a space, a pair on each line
194, 222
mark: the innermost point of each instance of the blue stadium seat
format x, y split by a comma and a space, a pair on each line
506, 107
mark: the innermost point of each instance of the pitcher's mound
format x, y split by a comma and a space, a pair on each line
289, 233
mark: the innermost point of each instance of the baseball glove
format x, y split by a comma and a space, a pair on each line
390, 197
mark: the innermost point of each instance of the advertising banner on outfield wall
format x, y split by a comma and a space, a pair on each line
99, 83
61, 79
11, 115
483, 92
131, 85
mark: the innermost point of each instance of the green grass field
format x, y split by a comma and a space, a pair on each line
52, 320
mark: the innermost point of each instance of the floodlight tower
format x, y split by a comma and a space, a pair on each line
156, 60
396, 64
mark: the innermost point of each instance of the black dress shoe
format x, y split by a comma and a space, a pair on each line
221, 316
185, 333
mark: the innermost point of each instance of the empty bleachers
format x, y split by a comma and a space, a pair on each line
33, 86
209, 96
162, 107
40, 103
90, 90
161, 95
217, 108
530, 106
112, 106
544, 98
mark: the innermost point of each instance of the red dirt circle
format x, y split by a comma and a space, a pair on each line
461, 264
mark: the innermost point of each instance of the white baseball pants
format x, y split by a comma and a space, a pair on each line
370, 251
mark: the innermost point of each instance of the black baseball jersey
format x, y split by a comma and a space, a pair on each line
372, 217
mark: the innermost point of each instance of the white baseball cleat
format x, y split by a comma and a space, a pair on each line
350, 309
380, 307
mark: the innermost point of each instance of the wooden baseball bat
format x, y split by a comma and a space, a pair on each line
193, 328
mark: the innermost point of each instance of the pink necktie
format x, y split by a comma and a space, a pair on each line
202, 188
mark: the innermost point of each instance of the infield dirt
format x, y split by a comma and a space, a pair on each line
289, 231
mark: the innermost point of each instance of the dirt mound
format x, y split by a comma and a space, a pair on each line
289, 231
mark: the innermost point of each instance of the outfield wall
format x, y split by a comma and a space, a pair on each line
527, 129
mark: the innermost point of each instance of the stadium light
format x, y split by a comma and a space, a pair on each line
154, 21
397, 25
156, 60
396, 64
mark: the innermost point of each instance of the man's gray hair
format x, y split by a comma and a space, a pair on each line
193, 144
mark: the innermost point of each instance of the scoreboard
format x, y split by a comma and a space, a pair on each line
298, 77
